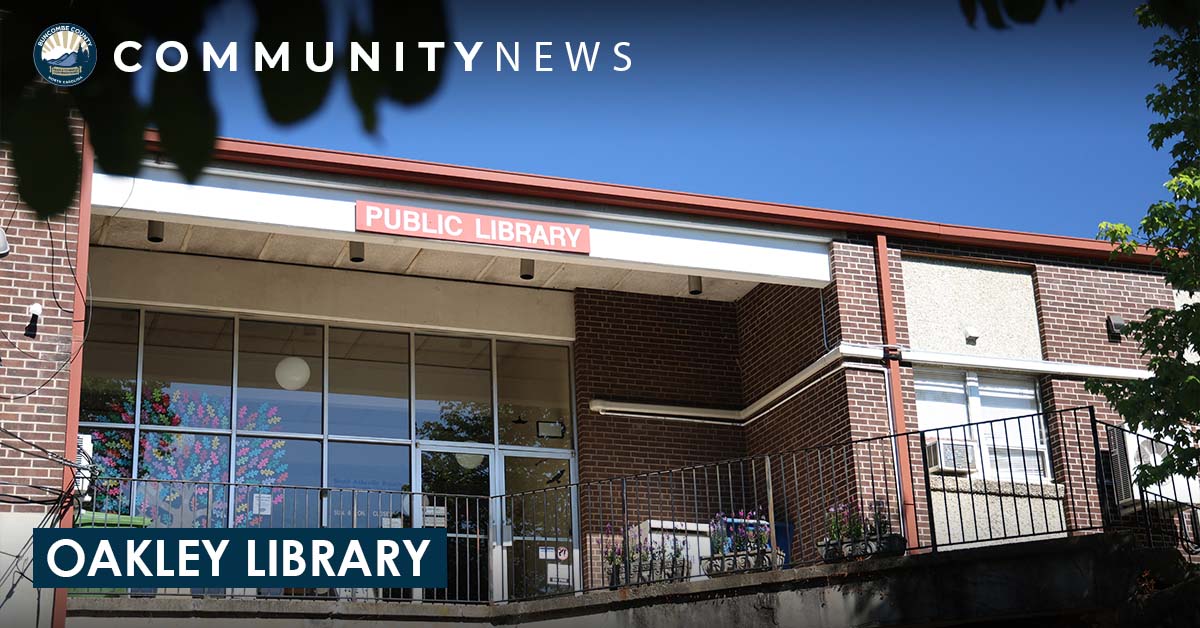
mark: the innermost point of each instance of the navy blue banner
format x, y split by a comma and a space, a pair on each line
276, 557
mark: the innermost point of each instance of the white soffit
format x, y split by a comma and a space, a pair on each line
619, 239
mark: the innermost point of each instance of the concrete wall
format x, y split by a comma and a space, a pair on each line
972, 512
1083, 581
944, 298
19, 601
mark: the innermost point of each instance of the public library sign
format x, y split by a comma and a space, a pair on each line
420, 222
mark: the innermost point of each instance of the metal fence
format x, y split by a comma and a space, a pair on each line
998, 481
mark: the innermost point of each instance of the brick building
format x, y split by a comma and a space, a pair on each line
546, 366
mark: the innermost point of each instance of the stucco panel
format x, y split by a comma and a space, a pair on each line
944, 298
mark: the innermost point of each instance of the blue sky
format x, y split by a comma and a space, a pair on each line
868, 106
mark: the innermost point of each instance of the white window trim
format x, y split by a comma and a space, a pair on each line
971, 390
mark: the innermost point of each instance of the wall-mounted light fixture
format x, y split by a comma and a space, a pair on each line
695, 285
1115, 324
154, 231
35, 312
971, 334
526, 269
292, 373
358, 252
5, 249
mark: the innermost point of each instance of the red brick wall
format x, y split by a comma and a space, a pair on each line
35, 271
781, 330
658, 350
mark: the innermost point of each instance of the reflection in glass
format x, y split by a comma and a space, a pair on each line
368, 383
187, 371
112, 456
261, 462
279, 377
534, 389
454, 389
537, 510
380, 476
109, 367
455, 488
177, 469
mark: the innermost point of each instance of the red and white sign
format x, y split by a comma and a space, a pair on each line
420, 222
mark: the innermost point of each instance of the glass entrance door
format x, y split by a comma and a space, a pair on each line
456, 485
538, 544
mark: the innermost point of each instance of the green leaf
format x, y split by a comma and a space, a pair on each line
294, 95
44, 155
185, 116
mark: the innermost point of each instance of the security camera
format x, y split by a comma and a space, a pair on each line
35, 313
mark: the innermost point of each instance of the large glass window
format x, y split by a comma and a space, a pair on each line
368, 383
297, 428
534, 389
110, 367
454, 389
1006, 430
187, 371
279, 377
377, 482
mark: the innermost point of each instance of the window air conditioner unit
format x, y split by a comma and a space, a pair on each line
1131, 449
951, 456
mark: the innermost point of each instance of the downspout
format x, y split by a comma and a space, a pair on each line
75, 373
894, 391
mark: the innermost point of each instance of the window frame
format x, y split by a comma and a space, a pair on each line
495, 449
971, 390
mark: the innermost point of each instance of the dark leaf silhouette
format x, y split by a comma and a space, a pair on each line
185, 117
44, 154
296, 94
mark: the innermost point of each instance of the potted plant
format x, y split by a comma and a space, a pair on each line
887, 543
836, 521
613, 555
738, 544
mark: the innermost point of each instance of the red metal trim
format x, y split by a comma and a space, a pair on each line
896, 394
75, 374
395, 169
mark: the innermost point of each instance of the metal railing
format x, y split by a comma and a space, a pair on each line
999, 481
1165, 514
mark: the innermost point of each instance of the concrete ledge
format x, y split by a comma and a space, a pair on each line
1052, 578
1001, 488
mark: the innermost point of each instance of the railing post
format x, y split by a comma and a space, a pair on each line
772, 543
1099, 466
625, 527
928, 498
353, 509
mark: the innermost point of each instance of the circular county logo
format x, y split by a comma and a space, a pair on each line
64, 55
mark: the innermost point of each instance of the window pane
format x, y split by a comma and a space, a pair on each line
262, 462
538, 514
178, 467
534, 389
368, 383
279, 377
941, 400
454, 389
187, 371
109, 367
1017, 431
381, 473
112, 454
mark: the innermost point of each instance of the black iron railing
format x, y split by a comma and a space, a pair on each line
998, 481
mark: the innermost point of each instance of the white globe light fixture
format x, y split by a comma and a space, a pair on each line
469, 461
292, 373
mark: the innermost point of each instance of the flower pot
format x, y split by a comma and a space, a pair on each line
746, 560
830, 551
891, 545
856, 549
